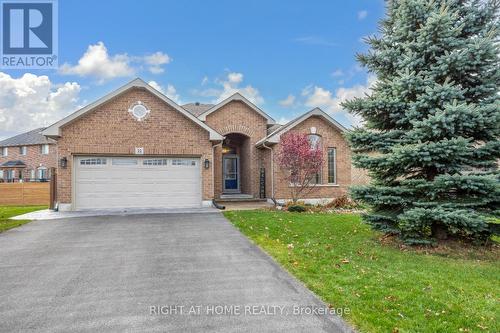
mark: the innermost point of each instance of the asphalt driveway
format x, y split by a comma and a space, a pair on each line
169, 272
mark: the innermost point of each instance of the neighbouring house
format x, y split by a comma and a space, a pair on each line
137, 148
27, 157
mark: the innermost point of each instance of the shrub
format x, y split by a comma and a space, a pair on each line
296, 208
342, 202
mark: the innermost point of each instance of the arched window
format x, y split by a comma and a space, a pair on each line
314, 140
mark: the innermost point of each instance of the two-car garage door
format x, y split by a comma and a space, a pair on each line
136, 182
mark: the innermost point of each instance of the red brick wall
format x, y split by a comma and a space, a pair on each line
237, 117
111, 130
33, 159
331, 137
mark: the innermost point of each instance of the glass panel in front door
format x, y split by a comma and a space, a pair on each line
230, 173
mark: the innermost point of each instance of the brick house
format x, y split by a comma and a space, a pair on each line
27, 157
136, 148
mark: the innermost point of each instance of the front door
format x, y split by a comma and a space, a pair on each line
231, 175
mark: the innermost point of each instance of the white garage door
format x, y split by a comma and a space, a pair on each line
137, 182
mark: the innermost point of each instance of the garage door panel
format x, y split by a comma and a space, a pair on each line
118, 183
90, 188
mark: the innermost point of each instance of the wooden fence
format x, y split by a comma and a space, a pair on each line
21, 194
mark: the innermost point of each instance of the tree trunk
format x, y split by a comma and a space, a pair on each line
439, 232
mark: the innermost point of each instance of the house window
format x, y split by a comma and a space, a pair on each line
139, 111
184, 162
5, 151
316, 178
93, 161
124, 161
42, 173
11, 174
314, 141
162, 161
44, 149
23, 150
1, 174
32, 175
332, 165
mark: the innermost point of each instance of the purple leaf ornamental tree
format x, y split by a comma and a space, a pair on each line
301, 161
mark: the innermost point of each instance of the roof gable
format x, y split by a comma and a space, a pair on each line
54, 130
236, 97
274, 137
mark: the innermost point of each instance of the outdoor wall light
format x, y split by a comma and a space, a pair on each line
207, 163
63, 162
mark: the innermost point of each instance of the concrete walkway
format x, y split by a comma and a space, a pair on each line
148, 273
47, 214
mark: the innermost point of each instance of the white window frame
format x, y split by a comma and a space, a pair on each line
23, 150
11, 174
93, 161
44, 149
40, 172
318, 143
5, 151
124, 162
183, 162
334, 149
155, 162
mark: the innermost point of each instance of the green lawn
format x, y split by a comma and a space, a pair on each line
8, 211
388, 288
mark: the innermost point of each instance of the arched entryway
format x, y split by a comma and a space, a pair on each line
235, 171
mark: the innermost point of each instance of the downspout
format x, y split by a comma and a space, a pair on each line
272, 170
213, 174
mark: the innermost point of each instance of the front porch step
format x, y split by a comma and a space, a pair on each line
236, 196
226, 198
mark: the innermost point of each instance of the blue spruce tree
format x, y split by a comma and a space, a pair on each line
432, 122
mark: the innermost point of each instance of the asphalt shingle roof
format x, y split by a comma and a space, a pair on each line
13, 164
273, 128
33, 137
197, 108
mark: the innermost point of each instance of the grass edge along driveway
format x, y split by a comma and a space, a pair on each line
387, 288
6, 212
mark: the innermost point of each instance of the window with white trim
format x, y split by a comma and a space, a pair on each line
93, 161
5, 151
314, 141
184, 162
23, 150
44, 149
158, 161
124, 161
332, 165
10, 174
42, 173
